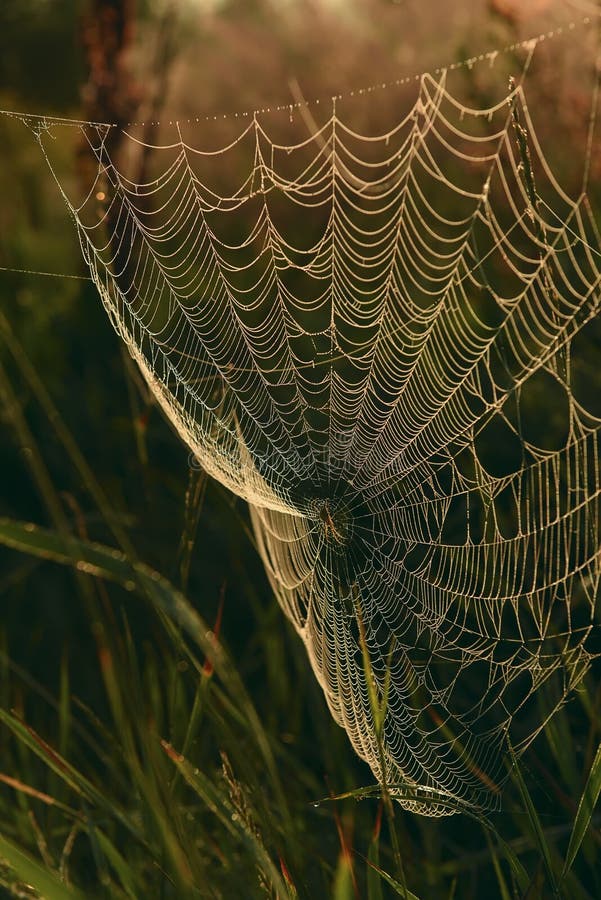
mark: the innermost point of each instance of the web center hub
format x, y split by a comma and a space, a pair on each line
335, 521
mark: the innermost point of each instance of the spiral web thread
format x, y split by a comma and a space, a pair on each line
375, 341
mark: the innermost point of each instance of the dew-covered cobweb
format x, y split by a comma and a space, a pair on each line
374, 338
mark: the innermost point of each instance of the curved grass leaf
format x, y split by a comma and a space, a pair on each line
585, 810
535, 825
399, 889
34, 874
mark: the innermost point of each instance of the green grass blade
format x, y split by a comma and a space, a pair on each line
400, 889
405, 791
586, 806
78, 783
64, 709
119, 865
208, 791
343, 889
373, 878
534, 821
503, 888
34, 874
519, 872
195, 494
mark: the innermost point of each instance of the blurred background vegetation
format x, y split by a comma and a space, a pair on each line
103, 662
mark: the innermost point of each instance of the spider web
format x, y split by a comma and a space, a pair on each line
374, 339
